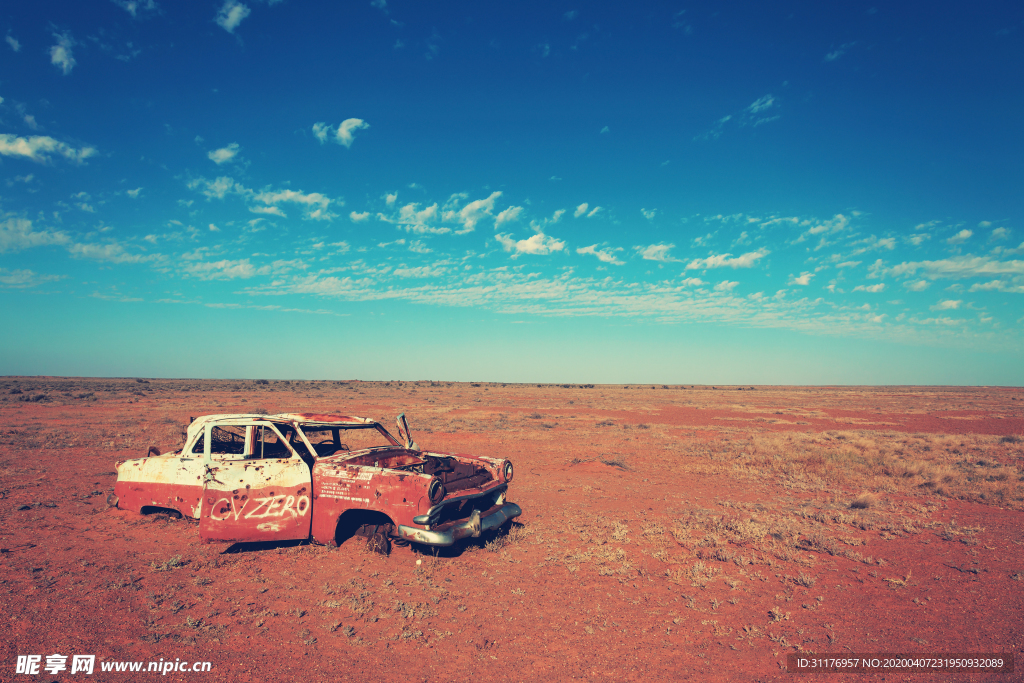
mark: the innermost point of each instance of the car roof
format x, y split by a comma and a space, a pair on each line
318, 419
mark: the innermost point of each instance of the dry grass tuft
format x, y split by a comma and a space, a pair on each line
864, 501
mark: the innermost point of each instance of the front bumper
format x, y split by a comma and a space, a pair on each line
448, 533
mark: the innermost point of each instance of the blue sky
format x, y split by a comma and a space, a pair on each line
659, 192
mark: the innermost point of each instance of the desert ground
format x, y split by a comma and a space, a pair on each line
669, 532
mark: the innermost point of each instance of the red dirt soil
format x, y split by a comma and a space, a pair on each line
592, 583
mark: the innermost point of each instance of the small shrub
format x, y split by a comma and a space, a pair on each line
864, 501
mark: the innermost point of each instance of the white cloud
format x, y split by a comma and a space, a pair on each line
947, 305
224, 154
761, 104
916, 285
1000, 234
471, 214
580, 210
38, 148
17, 234
803, 279
960, 237
507, 216
870, 288
217, 188
650, 213
60, 54
918, 239
413, 219
359, 217
343, 135
997, 286
725, 286
570, 15
269, 210
593, 212
540, 244
421, 271
418, 247
225, 269
133, 193
848, 264
726, 260
605, 130
692, 282
321, 130
133, 7
657, 252
606, 255
111, 251
231, 15
348, 128
23, 279
958, 267
390, 199
316, 204
839, 52
13, 42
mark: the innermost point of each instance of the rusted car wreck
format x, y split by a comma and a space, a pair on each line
325, 477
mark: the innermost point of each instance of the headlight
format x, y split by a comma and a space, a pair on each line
435, 491
507, 471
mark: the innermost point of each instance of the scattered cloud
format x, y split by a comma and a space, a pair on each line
839, 52
605, 130
657, 252
348, 128
359, 217
581, 210
960, 237
870, 288
217, 188
947, 305
758, 112
13, 42
316, 204
269, 210
997, 286
606, 255
23, 279
510, 214
231, 15
725, 286
570, 15
649, 214
727, 260
133, 193
39, 148
60, 54
471, 214
344, 134
540, 244
999, 234
224, 154
803, 279
957, 267
225, 269
916, 285
134, 7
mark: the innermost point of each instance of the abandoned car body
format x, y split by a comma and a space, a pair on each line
296, 476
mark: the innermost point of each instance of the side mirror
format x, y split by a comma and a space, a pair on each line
403, 432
